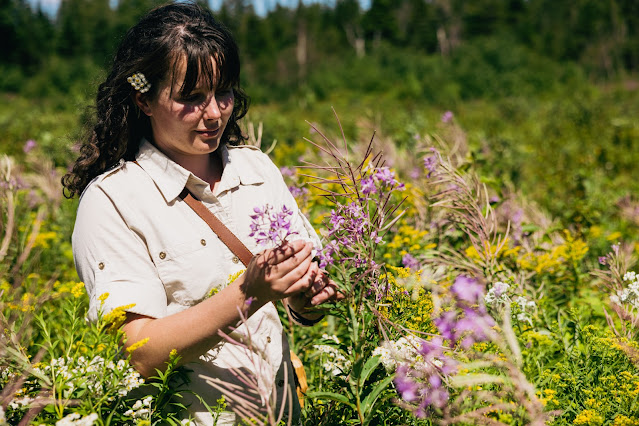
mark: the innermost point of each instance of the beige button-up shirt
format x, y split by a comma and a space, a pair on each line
136, 240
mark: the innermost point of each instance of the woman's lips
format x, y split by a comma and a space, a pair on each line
208, 133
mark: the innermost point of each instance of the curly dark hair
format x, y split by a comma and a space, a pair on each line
165, 38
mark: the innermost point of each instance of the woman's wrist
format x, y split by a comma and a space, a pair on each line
306, 319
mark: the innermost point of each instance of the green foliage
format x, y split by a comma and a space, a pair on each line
556, 152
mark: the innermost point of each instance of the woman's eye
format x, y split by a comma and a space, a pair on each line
196, 98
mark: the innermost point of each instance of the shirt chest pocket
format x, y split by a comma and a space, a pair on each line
190, 270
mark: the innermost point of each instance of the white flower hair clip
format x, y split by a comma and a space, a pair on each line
139, 82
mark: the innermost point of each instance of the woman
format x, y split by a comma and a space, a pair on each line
167, 120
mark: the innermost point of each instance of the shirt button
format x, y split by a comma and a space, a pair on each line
268, 339
203, 241
101, 265
235, 259
162, 255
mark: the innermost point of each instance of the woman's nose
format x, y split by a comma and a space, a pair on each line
212, 110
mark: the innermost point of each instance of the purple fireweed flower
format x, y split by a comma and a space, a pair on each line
415, 173
435, 381
269, 227
29, 145
467, 321
421, 384
432, 348
297, 192
336, 219
407, 388
603, 261
447, 117
287, 171
386, 176
431, 162
326, 254
472, 327
446, 324
376, 238
368, 185
468, 289
408, 261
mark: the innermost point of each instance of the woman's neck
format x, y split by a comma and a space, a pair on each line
209, 167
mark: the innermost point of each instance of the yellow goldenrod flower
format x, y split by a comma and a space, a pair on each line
614, 236
588, 418
621, 420
78, 290
116, 317
137, 345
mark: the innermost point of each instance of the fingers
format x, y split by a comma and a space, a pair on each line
290, 263
280, 254
302, 277
327, 293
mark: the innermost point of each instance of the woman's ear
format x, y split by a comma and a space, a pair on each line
142, 101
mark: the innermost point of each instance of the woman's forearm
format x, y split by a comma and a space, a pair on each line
191, 332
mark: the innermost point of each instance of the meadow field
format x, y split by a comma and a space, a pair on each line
480, 213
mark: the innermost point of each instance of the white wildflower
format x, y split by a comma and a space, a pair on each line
629, 295
331, 337
20, 403
75, 419
141, 409
385, 354
131, 381
3, 418
336, 363
405, 349
497, 294
526, 307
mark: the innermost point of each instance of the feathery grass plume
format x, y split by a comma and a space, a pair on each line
364, 196
454, 381
467, 202
255, 401
364, 208
623, 286
25, 203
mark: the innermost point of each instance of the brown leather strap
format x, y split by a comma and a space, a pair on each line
232, 242
225, 234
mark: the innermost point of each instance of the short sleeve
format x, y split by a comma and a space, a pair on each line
113, 261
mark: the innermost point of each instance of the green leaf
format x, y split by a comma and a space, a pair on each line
370, 399
332, 396
369, 367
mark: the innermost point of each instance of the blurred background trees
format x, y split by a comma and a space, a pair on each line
282, 47
546, 89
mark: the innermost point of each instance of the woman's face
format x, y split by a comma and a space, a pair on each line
187, 126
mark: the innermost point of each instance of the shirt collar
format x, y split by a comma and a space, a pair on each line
171, 178
237, 170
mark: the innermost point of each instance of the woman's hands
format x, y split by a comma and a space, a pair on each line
322, 290
281, 272
288, 272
